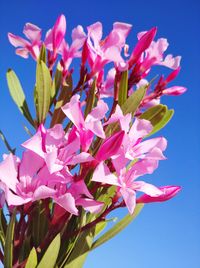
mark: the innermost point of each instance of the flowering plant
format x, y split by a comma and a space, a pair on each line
91, 142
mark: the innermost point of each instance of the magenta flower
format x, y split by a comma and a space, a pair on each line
24, 47
125, 181
101, 52
57, 150
91, 125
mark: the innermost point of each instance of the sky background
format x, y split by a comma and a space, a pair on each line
164, 235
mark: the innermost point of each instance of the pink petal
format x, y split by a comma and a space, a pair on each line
32, 32
80, 158
67, 201
98, 112
9, 172
17, 41
110, 146
146, 188
11, 198
140, 129
143, 43
95, 32
35, 144
90, 205
102, 174
26, 167
168, 192
23, 52
129, 197
43, 192
58, 31
123, 30
73, 111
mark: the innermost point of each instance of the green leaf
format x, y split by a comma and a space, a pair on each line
56, 82
81, 249
43, 54
132, 103
18, 96
8, 252
51, 254
100, 227
159, 116
42, 91
118, 227
2, 136
123, 88
91, 98
32, 259
3, 226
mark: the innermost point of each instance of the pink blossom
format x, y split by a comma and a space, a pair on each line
91, 125
24, 47
101, 52
125, 181
55, 147
73, 51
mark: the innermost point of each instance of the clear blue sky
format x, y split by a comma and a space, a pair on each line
165, 235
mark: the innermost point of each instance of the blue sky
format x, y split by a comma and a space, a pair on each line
165, 235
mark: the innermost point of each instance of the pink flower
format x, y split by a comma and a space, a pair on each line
133, 146
73, 51
101, 52
21, 184
57, 148
24, 47
91, 125
125, 181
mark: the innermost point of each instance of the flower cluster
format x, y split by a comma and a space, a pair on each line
90, 159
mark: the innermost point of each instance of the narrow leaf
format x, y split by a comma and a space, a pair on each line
81, 249
18, 96
100, 227
118, 227
56, 82
167, 117
43, 56
123, 88
2, 228
43, 91
158, 115
132, 103
51, 254
32, 259
8, 252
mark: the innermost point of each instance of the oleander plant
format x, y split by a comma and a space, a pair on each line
89, 142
